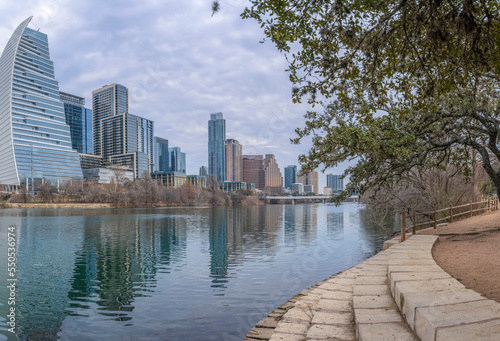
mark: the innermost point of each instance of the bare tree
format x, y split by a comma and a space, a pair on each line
147, 190
188, 193
46, 190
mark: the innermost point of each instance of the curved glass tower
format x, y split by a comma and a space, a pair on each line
34, 136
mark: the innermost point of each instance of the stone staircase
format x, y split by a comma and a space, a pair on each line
399, 294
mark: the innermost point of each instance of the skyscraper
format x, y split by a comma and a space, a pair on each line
253, 170
120, 137
290, 176
177, 160
126, 133
216, 144
234, 161
273, 173
108, 101
34, 136
79, 120
161, 155
204, 171
335, 182
310, 179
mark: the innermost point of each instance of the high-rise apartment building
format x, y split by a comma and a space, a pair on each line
177, 160
108, 101
204, 171
234, 160
290, 176
79, 120
273, 173
126, 133
335, 182
310, 179
161, 162
253, 171
34, 136
216, 146
120, 137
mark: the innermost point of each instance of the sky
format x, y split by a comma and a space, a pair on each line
180, 64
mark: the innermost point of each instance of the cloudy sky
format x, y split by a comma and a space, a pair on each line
179, 63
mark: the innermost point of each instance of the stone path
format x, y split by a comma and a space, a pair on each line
400, 294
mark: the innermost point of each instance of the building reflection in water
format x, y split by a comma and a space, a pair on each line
300, 223
239, 232
43, 278
119, 262
335, 225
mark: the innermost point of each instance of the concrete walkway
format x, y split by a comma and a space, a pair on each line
399, 294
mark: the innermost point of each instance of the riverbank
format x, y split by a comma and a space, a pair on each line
58, 206
107, 205
360, 301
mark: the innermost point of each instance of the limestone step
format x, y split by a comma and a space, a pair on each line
435, 305
322, 312
400, 294
376, 315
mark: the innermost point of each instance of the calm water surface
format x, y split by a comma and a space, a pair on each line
171, 273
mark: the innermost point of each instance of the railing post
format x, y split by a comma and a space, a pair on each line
403, 226
451, 214
414, 227
489, 204
435, 219
471, 209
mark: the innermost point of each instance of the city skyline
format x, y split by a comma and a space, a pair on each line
175, 80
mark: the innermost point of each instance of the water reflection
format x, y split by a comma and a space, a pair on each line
189, 273
335, 224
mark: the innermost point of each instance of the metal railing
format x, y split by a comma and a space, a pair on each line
490, 204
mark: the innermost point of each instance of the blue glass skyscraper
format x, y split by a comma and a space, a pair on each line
79, 120
216, 146
290, 176
34, 136
335, 182
177, 160
161, 155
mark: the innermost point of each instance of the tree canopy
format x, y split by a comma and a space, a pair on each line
399, 84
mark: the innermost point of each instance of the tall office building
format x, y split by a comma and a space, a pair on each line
119, 137
216, 144
253, 171
234, 161
335, 182
34, 136
177, 160
161, 156
290, 176
108, 101
310, 179
79, 120
272, 171
204, 171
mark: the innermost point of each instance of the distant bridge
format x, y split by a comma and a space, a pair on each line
293, 200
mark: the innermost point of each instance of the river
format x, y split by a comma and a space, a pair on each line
169, 273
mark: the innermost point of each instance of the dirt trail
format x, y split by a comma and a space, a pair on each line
470, 250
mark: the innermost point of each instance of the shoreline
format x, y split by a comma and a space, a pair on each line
99, 205
367, 299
